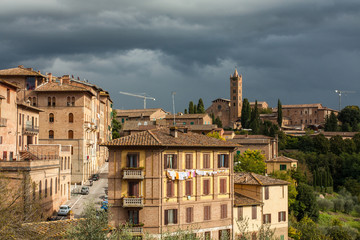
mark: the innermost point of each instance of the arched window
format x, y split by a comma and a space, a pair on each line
71, 134
53, 101
46, 188
34, 101
56, 186
51, 117
51, 187
30, 100
40, 188
51, 134
68, 101
49, 101
73, 101
71, 117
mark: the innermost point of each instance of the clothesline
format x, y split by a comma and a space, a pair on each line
172, 174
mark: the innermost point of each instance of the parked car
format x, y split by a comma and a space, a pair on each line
64, 210
95, 177
85, 190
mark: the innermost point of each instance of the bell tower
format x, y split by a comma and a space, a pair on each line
235, 96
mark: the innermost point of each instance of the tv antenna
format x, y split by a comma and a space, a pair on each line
173, 100
139, 96
341, 92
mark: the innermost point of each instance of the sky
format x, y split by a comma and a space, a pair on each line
298, 51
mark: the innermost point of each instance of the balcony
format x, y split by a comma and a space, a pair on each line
136, 230
3, 122
30, 129
133, 174
136, 202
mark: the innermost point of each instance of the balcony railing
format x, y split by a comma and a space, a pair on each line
133, 174
133, 202
3, 122
136, 230
31, 128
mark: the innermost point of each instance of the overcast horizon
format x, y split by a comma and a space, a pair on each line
298, 51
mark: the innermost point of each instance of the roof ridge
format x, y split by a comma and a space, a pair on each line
252, 174
152, 134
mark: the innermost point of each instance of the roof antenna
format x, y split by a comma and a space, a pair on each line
173, 99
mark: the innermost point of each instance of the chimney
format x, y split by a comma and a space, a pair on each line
66, 79
61, 81
49, 77
173, 132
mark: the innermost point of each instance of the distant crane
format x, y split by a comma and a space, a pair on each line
340, 92
139, 96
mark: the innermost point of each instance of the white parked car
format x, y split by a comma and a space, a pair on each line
64, 210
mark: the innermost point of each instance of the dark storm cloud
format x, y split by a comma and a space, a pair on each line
298, 51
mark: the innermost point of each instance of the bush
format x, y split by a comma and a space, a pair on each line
357, 209
348, 205
338, 204
325, 204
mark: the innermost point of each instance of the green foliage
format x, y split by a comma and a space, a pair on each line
279, 113
215, 135
195, 109
306, 230
245, 114
116, 126
349, 116
250, 161
265, 110
305, 204
191, 107
321, 144
218, 122
325, 204
331, 123
185, 111
200, 106
255, 119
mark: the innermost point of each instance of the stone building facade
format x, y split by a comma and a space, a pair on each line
163, 180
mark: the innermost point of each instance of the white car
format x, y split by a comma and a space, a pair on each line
64, 210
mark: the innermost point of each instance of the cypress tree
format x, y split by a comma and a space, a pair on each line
279, 113
195, 108
315, 178
200, 106
191, 107
185, 111
245, 114
255, 119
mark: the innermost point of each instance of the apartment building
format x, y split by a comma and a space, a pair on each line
280, 163
189, 119
260, 200
164, 179
44, 172
140, 115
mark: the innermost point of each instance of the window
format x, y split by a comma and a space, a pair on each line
46, 188
1, 139
240, 213
282, 216
8, 95
30, 83
34, 101
68, 101
223, 185
234, 98
169, 188
51, 134
71, 117
51, 117
282, 166
223, 160
223, 213
189, 214
266, 218
224, 234
11, 156
49, 101
133, 216
53, 102
70, 134
207, 236
207, 212
188, 161
132, 160
51, 187
170, 216
19, 118
206, 186
266, 193
170, 161
73, 101
188, 188
191, 123
253, 212
56, 184
40, 189
5, 155
133, 188
19, 141
234, 90
206, 160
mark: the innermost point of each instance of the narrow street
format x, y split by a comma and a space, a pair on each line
97, 193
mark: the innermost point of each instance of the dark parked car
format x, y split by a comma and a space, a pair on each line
95, 177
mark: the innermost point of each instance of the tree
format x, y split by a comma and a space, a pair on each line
337, 145
255, 119
245, 114
116, 126
306, 229
306, 204
321, 143
191, 107
200, 106
350, 115
356, 140
331, 123
195, 109
250, 161
215, 135
279, 113
218, 122
185, 111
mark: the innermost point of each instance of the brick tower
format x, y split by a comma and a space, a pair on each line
235, 96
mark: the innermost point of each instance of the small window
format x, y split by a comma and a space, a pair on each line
132, 160
170, 161
266, 193
223, 160
223, 213
51, 187
71, 118
8, 95
188, 188
46, 190
51, 117
223, 186
189, 215
207, 212
34, 101
266, 218
206, 160
53, 101
11, 156
206, 186
283, 167
71, 134
51, 134
56, 184
170, 216
282, 216
133, 216
73, 101
49, 101
68, 101
5, 155
240, 213
188, 161
169, 189
253, 212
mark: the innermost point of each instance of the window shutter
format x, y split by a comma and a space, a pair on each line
166, 217
191, 161
175, 161
254, 212
128, 160
284, 213
269, 218
192, 214
266, 192
219, 161
206, 187
187, 161
279, 217
226, 160
169, 189
175, 216
165, 161
136, 189
240, 212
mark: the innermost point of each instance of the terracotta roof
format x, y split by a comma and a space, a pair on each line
187, 116
162, 137
20, 71
27, 156
52, 229
282, 159
29, 107
55, 86
204, 127
256, 179
343, 134
318, 105
8, 83
252, 137
137, 112
241, 200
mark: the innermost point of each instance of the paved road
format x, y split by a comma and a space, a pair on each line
97, 193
